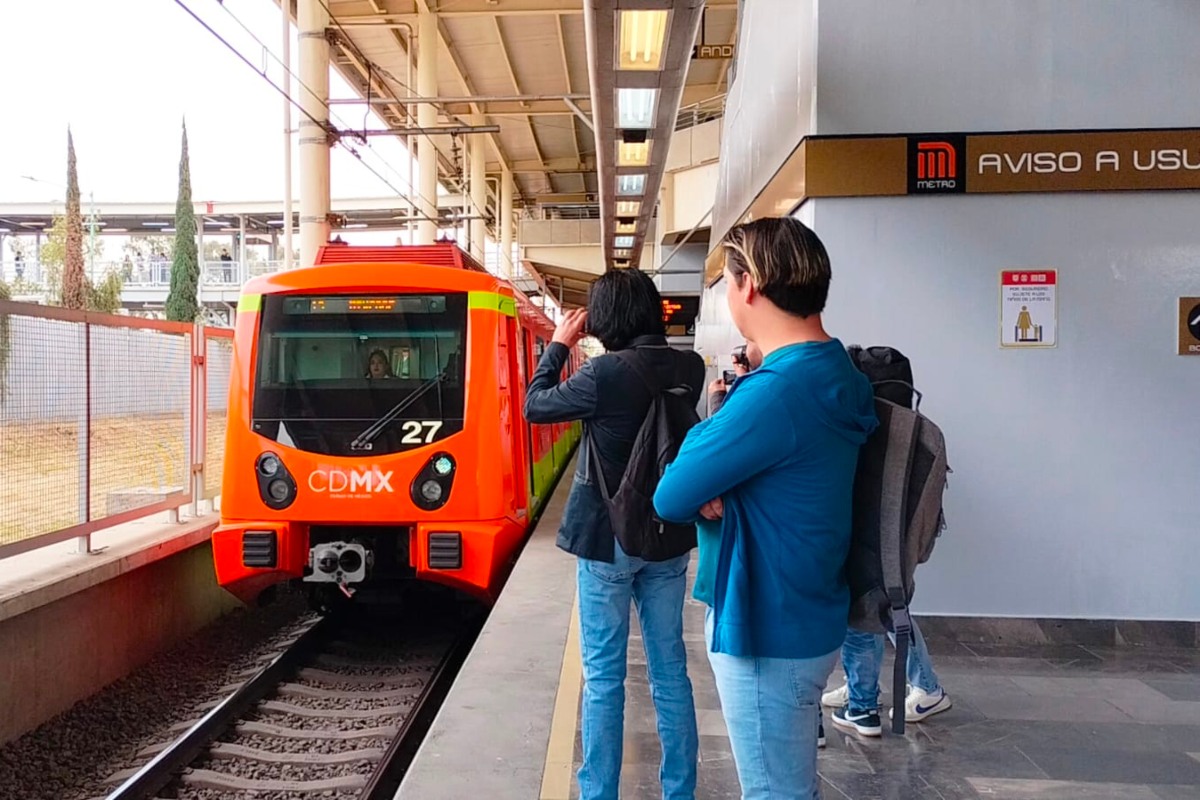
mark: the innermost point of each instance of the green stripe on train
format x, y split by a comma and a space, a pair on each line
249, 303
492, 301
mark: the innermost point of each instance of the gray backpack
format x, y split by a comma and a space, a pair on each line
897, 514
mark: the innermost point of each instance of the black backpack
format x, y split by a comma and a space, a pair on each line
631, 507
897, 514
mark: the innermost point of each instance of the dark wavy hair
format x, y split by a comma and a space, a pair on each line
624, 304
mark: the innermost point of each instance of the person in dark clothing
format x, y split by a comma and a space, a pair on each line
607, 394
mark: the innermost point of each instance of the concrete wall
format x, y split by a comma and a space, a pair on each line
134, 372
66, 650
898, 66
1073, 493
772, 101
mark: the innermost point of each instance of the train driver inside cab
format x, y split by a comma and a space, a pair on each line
378, 366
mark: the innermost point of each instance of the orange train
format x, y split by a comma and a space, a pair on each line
375, 428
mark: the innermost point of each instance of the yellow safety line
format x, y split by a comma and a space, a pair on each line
560, 753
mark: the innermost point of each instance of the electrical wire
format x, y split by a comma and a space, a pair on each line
413, 194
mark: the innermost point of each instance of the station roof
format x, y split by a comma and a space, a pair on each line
525, 66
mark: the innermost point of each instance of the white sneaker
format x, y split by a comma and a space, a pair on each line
921, 705
836, 698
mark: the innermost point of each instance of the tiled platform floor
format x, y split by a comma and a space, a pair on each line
1049, 722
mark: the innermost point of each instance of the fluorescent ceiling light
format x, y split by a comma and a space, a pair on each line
633, 154
355, 225
635, 108
216, 222
623, 242
628, 208
152, 224
642, 37
631, 184
117, 230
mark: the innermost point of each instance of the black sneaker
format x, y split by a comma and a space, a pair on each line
820, 733
865, 723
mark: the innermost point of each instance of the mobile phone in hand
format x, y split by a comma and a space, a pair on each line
729, 376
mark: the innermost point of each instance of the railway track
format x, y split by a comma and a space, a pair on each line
337, 713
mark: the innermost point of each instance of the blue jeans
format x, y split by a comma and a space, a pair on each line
862, 657
605, 591
771, 710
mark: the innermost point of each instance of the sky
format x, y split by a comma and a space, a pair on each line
123, 74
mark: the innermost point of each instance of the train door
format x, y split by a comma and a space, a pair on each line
510, 413
526, 349
517, 433
545, 449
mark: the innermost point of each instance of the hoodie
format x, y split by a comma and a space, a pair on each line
781, 454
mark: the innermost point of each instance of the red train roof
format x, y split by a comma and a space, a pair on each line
443, 254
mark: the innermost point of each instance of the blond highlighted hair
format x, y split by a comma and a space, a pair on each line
783, 260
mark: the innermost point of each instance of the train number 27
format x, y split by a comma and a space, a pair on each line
412, 431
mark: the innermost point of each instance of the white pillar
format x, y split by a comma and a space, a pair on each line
286, 10
241, 250
427, 41
478, 190
507, 268
314, 146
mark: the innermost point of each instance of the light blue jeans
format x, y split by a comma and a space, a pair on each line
657, 589
771, 708
862, 658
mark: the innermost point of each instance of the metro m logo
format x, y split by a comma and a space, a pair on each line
936, 164
936, 160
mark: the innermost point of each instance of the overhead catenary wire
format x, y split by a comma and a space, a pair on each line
413, 192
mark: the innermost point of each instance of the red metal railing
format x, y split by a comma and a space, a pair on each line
104, 419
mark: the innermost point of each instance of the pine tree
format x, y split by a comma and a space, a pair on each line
74, 287
182, 304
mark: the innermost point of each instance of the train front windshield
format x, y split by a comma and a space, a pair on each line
360, 375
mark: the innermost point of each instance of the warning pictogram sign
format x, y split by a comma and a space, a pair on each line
1189, 326
1029, 308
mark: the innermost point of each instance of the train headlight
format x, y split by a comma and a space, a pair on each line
431, 487
276, 486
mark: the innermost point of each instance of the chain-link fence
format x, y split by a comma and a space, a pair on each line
96, 420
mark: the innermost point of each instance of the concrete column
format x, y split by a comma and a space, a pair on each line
427, 41
478, 190
507, 268
314, 144
241, 251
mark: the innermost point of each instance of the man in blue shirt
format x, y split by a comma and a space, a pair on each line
775, 507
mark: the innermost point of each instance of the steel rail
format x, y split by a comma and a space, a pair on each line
167, 765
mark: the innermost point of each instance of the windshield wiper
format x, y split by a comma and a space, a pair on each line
364, 439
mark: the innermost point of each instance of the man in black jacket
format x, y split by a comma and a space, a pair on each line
608, 395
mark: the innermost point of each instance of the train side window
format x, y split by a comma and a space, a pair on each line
539, 347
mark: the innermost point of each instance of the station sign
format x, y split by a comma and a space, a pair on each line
994, 163
712, 52
679, 314
1189, 326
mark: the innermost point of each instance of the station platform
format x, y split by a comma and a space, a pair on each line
1061, 721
